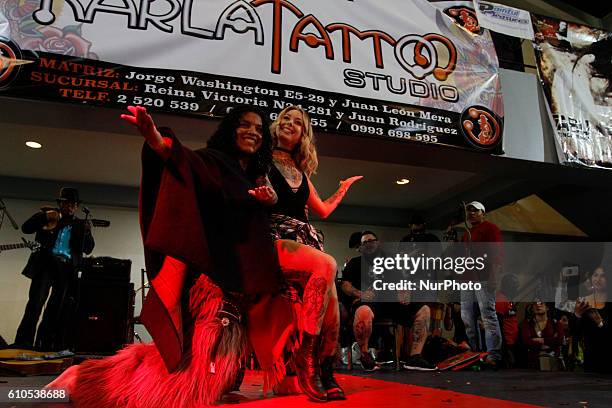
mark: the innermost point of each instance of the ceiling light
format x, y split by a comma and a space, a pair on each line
402, 181
34, 145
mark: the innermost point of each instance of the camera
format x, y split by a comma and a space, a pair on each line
570, 271
571, 274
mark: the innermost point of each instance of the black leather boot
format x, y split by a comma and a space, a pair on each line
334, 391
308, 369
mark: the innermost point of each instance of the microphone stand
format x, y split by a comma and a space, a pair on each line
4, 211
87, 214
78, 275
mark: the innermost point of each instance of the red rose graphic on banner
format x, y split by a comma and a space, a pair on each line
66, 42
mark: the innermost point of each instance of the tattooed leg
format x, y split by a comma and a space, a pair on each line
330, 330
316, 297
418, 331
315, 270
362, 326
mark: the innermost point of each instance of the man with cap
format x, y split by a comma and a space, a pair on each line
482, 239
63, 239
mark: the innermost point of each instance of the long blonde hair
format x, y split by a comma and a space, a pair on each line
305, 154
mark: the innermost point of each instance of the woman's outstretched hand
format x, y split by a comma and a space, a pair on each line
140, 118
346, 184
324, 208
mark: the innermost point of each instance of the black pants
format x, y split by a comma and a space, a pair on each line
54, 329
54, 332
37, 296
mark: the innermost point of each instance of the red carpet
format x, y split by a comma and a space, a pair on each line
367, 392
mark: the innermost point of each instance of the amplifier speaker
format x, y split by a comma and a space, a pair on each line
104, 317
106, 268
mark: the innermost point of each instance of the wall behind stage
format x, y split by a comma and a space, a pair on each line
122, 240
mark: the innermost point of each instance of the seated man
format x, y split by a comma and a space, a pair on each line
364, 308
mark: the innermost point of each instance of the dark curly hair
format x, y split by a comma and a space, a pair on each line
224, 139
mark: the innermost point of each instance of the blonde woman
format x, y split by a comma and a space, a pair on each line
294, 161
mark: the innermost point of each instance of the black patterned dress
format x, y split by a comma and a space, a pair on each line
288, 219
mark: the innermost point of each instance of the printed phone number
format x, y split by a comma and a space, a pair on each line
33, 395
314, 121
158, 103
401, 134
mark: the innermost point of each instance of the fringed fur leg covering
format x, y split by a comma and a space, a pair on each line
137, 377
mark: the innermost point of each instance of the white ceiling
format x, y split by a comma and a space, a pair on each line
114, 158
90, 145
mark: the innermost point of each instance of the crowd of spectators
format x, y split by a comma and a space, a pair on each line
568, 334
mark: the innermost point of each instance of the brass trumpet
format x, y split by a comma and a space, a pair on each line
53, 217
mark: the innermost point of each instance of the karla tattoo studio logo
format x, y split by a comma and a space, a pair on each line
481, 127
10, 57
419, 55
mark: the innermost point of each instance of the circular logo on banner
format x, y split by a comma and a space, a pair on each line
426, 62
481, 127
9, 52
464, 17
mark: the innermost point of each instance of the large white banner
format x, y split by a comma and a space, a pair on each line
575, 68
391, 69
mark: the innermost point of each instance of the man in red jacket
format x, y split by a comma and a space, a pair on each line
483, 238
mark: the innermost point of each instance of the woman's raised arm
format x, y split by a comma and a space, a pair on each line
140, 118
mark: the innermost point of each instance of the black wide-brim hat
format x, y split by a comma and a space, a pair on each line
69, 194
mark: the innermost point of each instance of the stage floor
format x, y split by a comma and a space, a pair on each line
385, 389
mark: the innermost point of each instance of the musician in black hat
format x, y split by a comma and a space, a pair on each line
63, 238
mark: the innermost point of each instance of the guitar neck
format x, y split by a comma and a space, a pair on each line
12, 246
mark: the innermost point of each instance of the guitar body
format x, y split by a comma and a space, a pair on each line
28, 362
